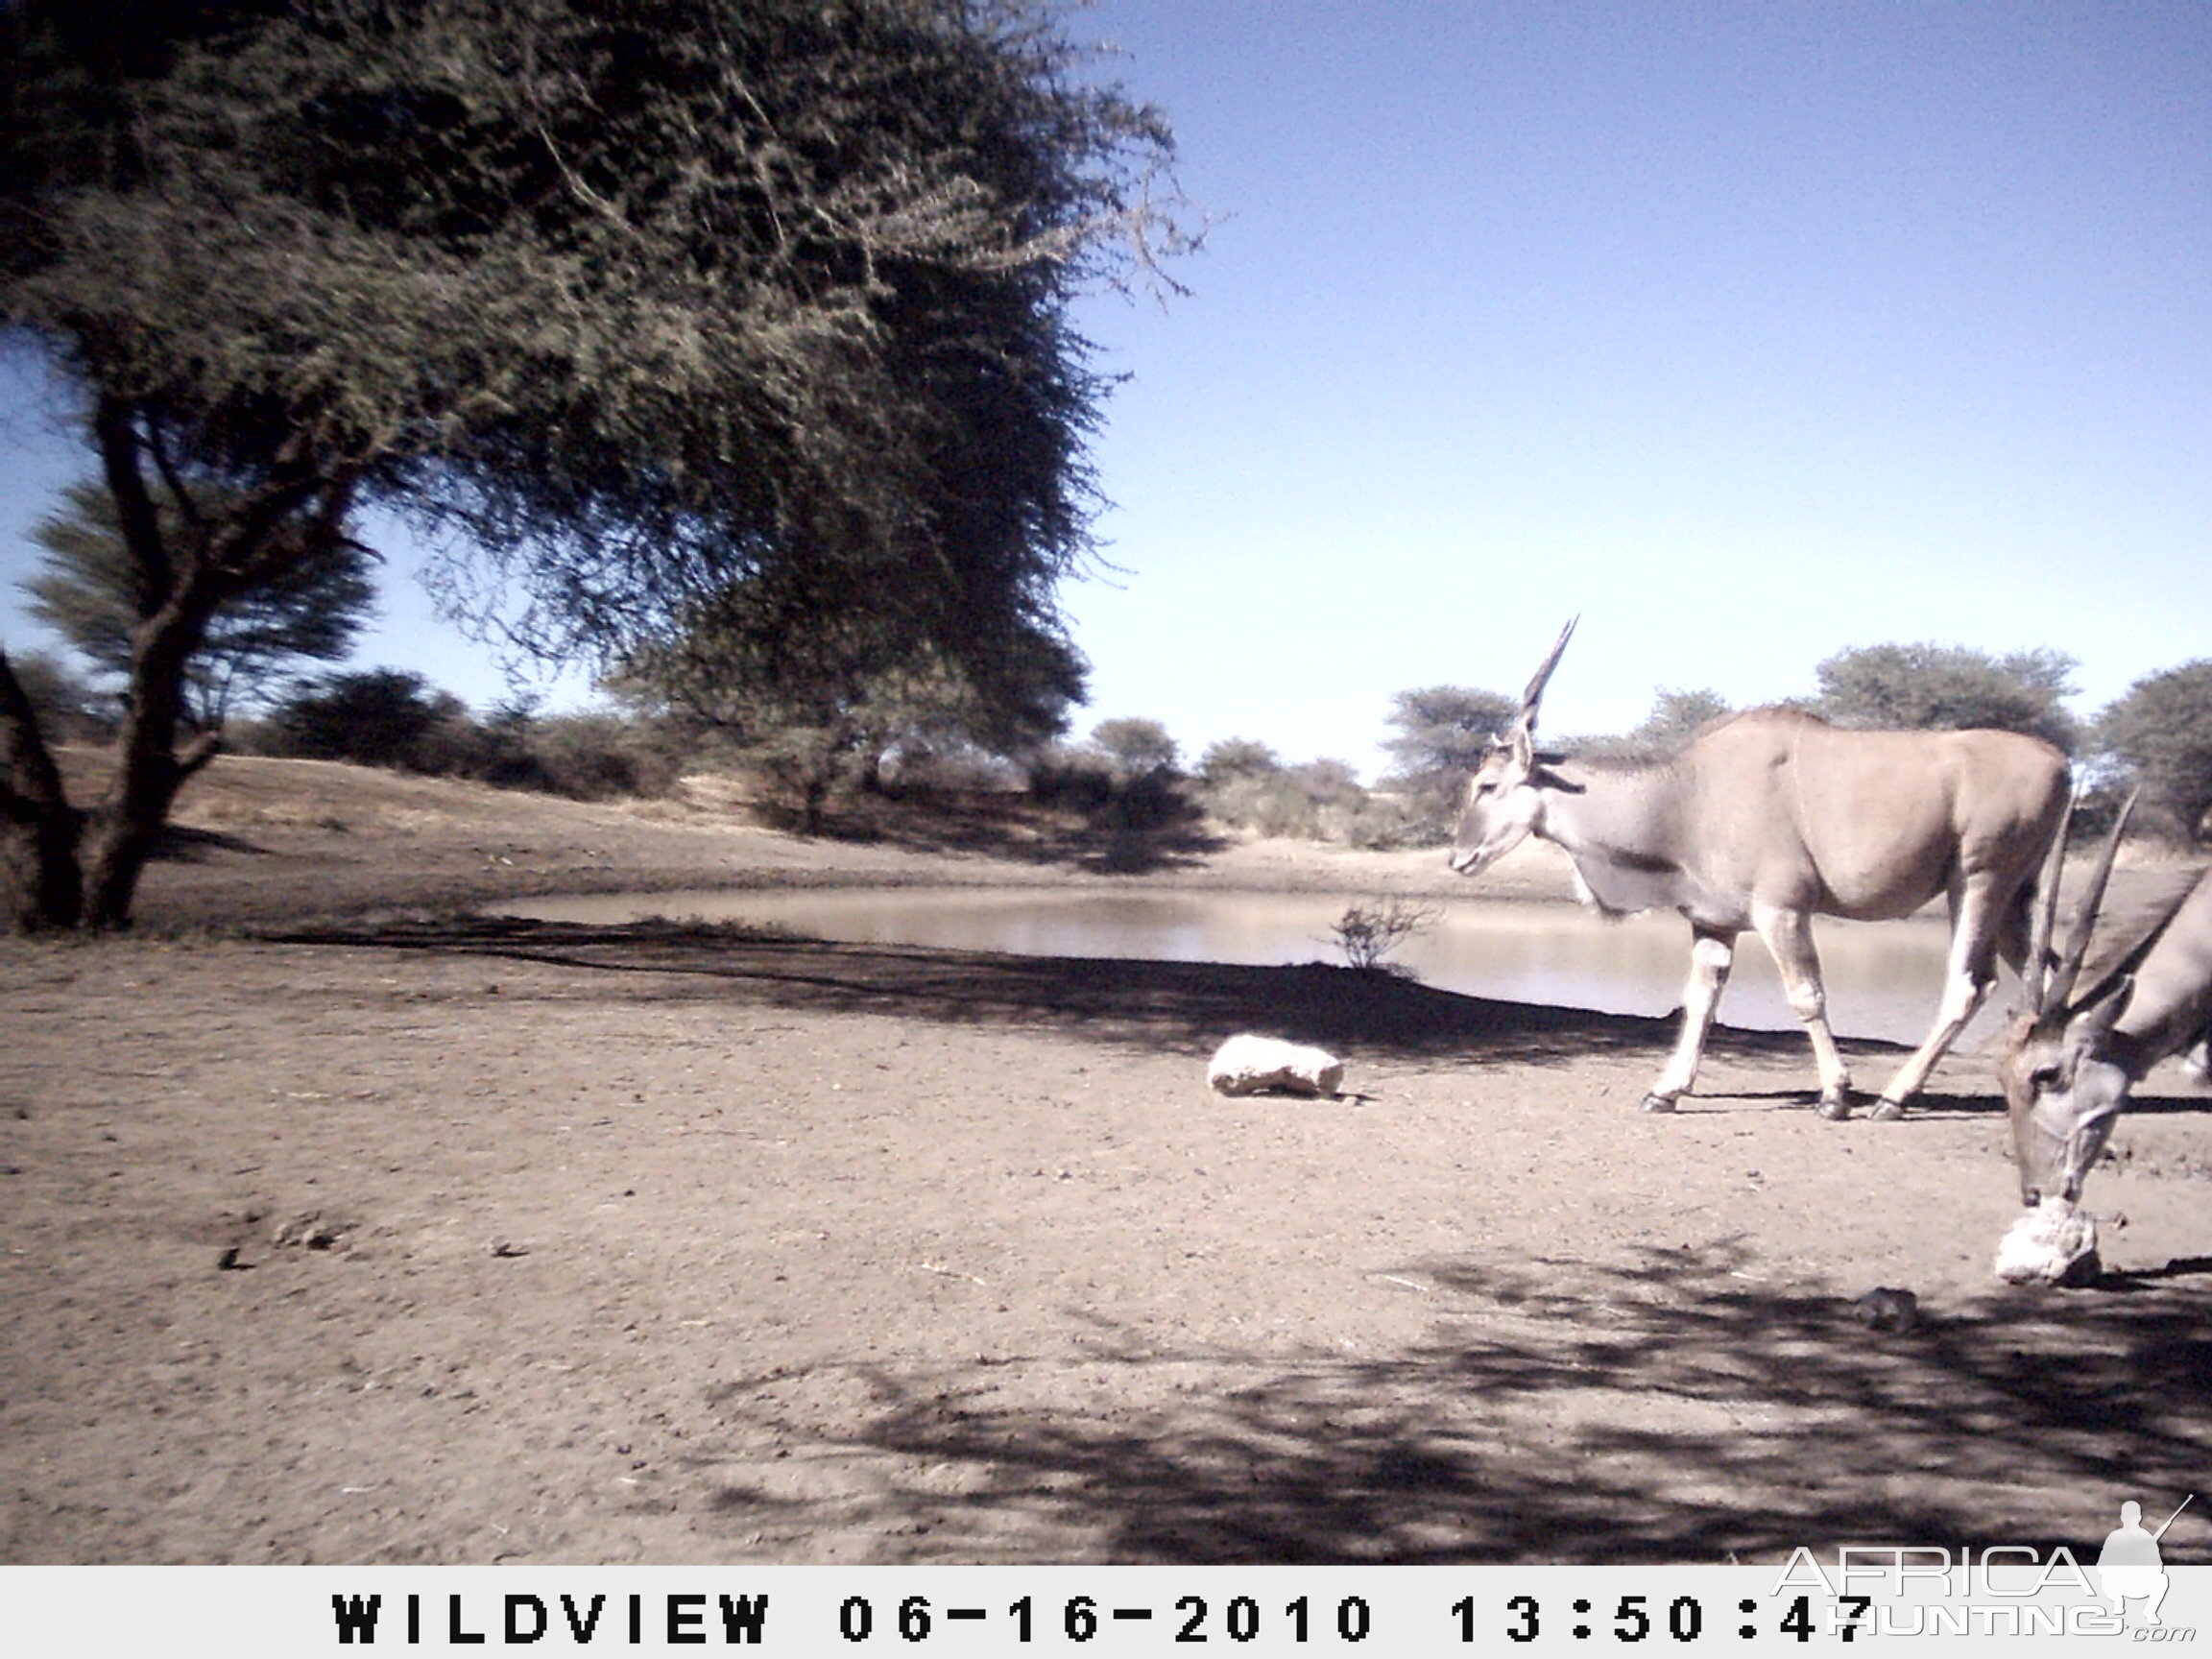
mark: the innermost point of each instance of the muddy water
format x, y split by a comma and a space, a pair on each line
1882, 979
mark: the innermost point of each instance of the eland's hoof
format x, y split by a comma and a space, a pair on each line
1658, 1103
1887, 1110
1835, 1107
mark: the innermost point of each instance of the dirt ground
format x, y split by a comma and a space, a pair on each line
363, 1232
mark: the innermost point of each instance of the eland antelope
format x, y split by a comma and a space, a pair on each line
1769, 818
2092, 1025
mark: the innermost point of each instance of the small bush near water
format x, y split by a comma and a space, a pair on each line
1367, 933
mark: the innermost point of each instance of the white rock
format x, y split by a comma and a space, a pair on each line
2054, 1244
1247, 1063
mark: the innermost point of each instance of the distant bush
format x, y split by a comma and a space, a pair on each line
1246, 787
585, 757
1079, 780
1234, 758
951, 769
391, 718
595, 756
381, 718
1151, 800
1134, 748
1091, 782
1387, 822
1268, 803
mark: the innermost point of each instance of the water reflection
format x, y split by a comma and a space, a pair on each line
1882, 979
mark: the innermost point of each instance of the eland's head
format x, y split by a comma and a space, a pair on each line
2063, 1093
2062, 1086
1504, 800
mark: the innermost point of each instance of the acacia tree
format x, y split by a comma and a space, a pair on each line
1134, 748
1445, 727
618, 305
2162, 729
374, 717
818, 693
1442, 733
1950, 687
311, 608
1237, 759
1676, 716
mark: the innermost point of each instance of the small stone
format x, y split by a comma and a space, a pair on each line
1887, 1309
309, 1231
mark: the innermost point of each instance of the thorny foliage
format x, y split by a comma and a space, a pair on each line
623, 305
89, 592
641, 299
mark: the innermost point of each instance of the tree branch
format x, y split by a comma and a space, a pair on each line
196, 754
115, 430
187, 509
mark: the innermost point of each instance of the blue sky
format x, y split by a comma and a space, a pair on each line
1750, 333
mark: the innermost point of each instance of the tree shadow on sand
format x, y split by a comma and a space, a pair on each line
179, 843
1186, 1008
1669, 1409
1138, 833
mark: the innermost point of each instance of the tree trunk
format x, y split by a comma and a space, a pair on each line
125, 826
180, 587
60, 875
38, 828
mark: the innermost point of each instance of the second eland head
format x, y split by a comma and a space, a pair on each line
2063, 1084
2129, 983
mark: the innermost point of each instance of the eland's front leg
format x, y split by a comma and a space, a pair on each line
1969, 972
1964, 993
1787, 935
1711, 955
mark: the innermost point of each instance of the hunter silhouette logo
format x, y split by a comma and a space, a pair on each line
2129, 1565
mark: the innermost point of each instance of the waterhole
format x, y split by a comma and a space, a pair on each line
1882, 979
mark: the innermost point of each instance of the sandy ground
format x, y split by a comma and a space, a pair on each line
372, 1234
